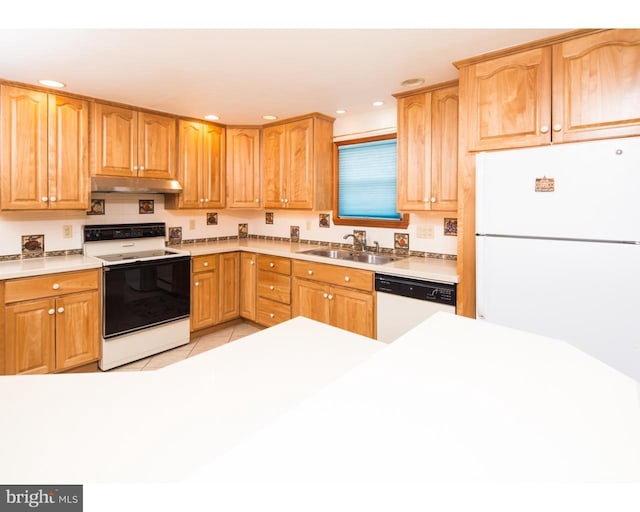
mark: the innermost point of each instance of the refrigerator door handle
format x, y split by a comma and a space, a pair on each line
481, 289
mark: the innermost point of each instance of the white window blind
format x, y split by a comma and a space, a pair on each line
367, 180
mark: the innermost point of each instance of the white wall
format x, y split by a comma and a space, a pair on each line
123, 208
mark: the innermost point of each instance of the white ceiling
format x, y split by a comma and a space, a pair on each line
241, 74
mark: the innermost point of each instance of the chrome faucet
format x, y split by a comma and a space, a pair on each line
362, 242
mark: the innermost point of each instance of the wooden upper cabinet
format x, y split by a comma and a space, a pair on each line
201, 166
428, 150
579, 89
134, 144
509, 100
297, 163
596, 86
243, 168
45, 162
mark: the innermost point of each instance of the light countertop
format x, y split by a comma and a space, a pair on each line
422, 268
453, 400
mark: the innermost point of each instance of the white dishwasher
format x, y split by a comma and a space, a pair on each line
403, 303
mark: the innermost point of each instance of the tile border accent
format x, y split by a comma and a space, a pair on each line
66, 252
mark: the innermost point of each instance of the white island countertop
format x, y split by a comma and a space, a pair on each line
453, 400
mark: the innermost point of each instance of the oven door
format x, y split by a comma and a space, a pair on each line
142, 294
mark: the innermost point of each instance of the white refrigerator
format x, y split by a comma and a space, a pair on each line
558, 245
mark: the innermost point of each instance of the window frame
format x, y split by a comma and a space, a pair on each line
401, 223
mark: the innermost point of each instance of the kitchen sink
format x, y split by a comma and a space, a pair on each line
362, 257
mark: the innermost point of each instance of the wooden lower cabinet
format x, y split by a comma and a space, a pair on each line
273, 290
215, 289
248, 285
338, 296
46, 334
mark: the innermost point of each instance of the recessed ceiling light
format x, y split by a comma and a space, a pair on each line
269, 117
341, 111
378, 103
412, 82
51, 83
211, 117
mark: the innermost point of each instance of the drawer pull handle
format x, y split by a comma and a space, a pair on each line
272, 315
310, 272
56, 286
60, 309
51, 311
271, 287
347, 278
272, 264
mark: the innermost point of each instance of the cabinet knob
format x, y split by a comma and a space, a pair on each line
53, 199
310, 272
205, 264
330, 297
56, 286
272, 264
252, 262
60, 309
206, 199
271, 287
257, 199
433, 199
557, 127
272, 315
286, 200
197, 283
135, 167
202, 199
347, 278
51, 311
44, 199
325, 295
142, 167
544, 129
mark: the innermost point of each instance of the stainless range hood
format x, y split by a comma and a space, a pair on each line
134, 185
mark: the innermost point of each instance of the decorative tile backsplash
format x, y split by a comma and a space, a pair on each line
451, 227
243, 230
32, 246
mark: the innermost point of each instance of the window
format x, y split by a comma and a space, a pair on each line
366, 183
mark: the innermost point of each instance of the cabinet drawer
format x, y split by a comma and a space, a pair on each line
207, 262
271, 313
334, 274
274, 264
274, 286
51, 285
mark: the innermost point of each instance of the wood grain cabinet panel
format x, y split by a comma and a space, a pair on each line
51, 323
273, 290
45, 157
428, 149
130, 143
248, 285
243, 168
201, 166
297, 163
204, 299
229, 286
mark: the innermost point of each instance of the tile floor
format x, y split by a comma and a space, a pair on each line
195, 347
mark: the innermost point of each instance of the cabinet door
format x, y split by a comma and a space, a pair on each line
273, 167
116, 141
353, 310
30, 333
248, 283
77, 329
68, 153
243, 167
204, 300
596, 86
509, 100
213, 170
190, 162
444, 150
311, 299
414, 152
156, 146
298, 182
24, 149
229, 286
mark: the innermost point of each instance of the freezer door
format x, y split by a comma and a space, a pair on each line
585, 190
585, 293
